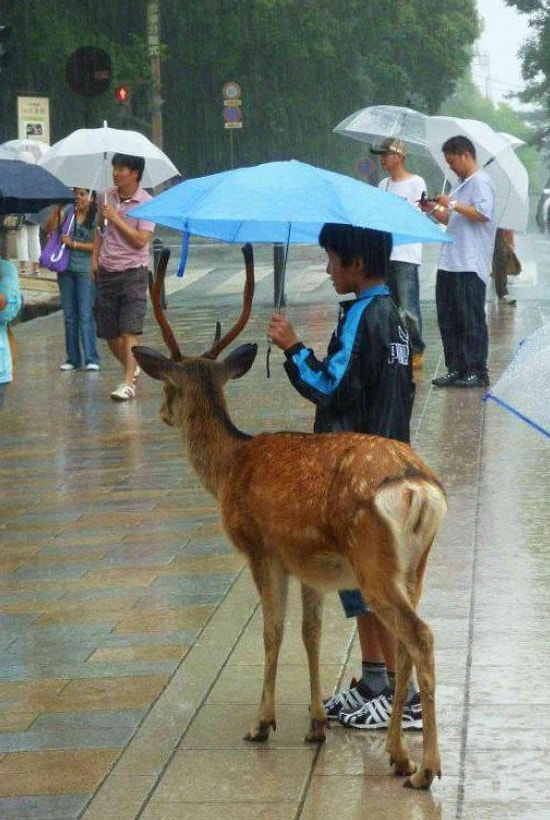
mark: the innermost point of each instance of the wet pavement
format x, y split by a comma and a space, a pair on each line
130, 639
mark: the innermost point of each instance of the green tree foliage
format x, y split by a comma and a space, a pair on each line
44, 35
303, 65
535, 55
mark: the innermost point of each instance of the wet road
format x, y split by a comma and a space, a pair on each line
131, 636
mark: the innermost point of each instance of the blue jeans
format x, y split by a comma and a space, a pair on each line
353, 602
77, 301
460, 302
404, 286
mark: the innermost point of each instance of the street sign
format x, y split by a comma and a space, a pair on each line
232, 101
232, 91
232, 116
365, 167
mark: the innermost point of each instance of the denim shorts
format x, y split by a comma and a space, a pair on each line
121, 301
353, 602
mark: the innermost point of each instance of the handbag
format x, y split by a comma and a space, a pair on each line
512, 264
55, 255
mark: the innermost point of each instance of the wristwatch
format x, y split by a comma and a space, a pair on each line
452, 204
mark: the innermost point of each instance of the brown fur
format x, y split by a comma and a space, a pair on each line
336, 510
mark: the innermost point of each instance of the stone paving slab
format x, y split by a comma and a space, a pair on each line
130, 632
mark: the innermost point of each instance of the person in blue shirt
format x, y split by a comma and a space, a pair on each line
10, 305
362, 385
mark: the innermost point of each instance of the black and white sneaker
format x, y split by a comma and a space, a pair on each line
412, 713
376, 713
349, 700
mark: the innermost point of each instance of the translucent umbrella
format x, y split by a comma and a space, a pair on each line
83, 158
524, 387
425, 135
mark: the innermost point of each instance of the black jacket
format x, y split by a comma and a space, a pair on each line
364, 384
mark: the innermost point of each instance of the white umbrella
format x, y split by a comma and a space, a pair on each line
425, 135
515, 142
83, 158
496, 155
21, 149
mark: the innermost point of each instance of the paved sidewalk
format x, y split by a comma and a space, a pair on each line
131, 634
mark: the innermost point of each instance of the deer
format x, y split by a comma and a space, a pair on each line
336, 510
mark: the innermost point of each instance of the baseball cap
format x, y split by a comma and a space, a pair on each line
389, 146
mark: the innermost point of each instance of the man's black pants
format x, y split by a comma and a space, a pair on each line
460, 301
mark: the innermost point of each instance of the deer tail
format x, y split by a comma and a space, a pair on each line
413, 509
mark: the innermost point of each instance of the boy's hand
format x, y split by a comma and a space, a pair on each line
281, 332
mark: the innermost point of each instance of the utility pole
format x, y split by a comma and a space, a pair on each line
485, 65
154, 49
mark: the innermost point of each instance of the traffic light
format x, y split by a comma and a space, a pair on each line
88, 71
5, 34
122, 94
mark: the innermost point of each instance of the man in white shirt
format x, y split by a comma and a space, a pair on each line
464, 267
403, 279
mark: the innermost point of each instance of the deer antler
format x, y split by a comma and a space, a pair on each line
156, 290
248, 294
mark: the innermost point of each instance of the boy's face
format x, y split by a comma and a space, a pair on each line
344, 277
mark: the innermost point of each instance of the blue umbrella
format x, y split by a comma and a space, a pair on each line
283, 202
27, 188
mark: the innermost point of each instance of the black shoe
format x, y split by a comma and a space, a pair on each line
448, 379
472, 380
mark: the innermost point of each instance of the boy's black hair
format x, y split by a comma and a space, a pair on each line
131, 162
349, 243
459, 145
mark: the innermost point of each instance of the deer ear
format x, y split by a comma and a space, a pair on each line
240, 360
152, 362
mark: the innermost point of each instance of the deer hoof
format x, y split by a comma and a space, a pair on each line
404, 767
422, 779
260, 733
316, 732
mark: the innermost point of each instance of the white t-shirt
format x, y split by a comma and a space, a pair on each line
410, 189
473, 242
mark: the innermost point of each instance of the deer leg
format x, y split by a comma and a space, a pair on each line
415, 640
422, 653
312, 617
395, 744
425, 671
272, 583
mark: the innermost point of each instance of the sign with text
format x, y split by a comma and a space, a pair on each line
33, 118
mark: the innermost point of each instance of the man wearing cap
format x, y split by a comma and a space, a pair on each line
403, 279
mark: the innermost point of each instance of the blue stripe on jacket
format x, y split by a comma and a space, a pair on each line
327, 380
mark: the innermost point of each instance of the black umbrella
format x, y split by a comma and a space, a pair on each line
27, 188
